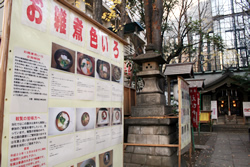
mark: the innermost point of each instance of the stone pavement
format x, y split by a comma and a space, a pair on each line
226, 150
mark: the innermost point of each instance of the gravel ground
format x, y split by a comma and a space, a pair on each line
200, 141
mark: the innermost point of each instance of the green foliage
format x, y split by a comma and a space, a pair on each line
215, 38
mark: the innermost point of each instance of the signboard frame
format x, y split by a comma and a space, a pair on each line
183, 95
6, 68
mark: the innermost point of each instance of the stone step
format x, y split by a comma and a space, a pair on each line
231, 128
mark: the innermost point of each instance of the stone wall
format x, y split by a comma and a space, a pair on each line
135, 156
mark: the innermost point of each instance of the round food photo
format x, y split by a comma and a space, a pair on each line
85, 119
61, 121
116, 74
106, 159
87, 163
62, 58
103, 115
103, 70
116, 116
85, 65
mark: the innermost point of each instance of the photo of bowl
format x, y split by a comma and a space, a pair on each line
85, 119
86, 64
106, 158
103, 69
88, 163
62, 120
102, 116
116, 116
116, 73
63, 59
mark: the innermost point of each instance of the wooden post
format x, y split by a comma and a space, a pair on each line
190, 154
179, 99
229, 108
3, 61
129, 100
169, 91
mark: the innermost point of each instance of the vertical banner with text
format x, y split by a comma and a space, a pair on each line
195, 107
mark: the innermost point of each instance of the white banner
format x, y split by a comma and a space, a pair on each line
214, 109
246, 109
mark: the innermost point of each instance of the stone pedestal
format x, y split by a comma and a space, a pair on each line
151, 131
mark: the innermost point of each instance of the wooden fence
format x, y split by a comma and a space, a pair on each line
129, 100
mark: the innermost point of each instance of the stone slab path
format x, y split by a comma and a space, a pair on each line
226, 150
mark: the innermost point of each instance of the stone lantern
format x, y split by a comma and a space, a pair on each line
145, 130
151, 100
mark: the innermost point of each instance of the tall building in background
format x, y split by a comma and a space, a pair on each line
231, 20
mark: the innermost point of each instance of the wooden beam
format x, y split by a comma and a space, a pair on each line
151, 145
4, 49
161, 117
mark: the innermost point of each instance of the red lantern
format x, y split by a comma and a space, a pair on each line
127, 68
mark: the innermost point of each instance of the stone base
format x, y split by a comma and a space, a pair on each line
150, 99
149, 110
152, 130
149, 122
138, 160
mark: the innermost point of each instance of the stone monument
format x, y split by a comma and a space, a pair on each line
143, 128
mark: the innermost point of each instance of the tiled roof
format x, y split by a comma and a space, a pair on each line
180, 69
199, 83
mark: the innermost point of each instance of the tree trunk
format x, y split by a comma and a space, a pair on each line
156, 24
97, 10
188, 39
200, 40
122, 7
148, 20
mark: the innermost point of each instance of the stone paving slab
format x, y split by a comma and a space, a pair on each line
228, 150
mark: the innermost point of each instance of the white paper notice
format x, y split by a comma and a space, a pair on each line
93, 38
117, 92
117, 53
246, 109
85, 143
59, 21
104, 42
34, 14
76, 30
30, 81
103, 138
62, 85
85, 89
28, 140
60, 149
117, 135
214, 109
103, 90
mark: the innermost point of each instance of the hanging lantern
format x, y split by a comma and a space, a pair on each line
128, 68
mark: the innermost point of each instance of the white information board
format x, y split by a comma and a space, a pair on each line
214, 109
64, 87
246, 109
